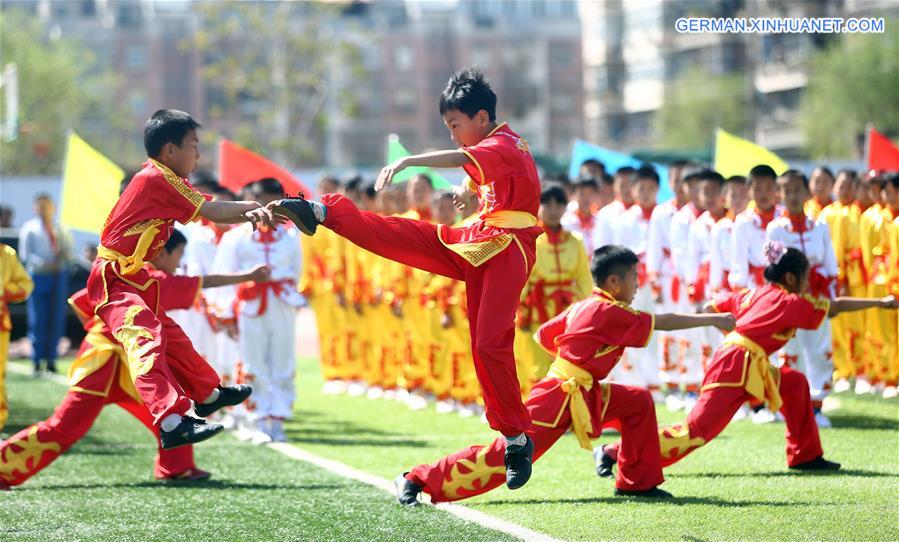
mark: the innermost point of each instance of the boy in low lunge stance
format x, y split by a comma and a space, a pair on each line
587, 340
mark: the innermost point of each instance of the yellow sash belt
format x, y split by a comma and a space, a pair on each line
129, 265
759, 379
575, 379
510, 220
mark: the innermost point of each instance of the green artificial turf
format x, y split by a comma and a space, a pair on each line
736, 488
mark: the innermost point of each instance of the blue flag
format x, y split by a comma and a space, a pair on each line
614, 160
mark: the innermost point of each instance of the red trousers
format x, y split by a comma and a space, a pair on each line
166, 369
478, 469
30, 450
717, 406
492, 289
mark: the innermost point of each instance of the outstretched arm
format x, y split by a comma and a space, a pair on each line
674, 321
235, 212
260, 273
443, 159
847, 304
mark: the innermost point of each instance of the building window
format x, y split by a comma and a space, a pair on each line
560, 54
403, 58
136, 58
137, 100
404, 100
561, 102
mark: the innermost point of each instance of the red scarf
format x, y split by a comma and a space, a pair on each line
766, 217
54, 242
799, 222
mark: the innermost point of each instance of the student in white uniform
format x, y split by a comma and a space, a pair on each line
640, 366
811, 350
608, 219
265, 313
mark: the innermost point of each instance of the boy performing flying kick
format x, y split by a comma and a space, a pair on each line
587, 340
493, 255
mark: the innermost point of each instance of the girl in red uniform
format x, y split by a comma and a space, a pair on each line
767, 318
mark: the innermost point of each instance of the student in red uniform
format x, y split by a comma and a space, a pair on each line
126, 297
493, 255
587, 340
767, 317
100, 376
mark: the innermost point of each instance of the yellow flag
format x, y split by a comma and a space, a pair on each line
90, 186
736, 156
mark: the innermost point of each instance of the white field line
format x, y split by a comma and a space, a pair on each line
346, 471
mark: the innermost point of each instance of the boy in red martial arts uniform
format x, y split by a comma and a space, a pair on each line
100, 376
587, 340
767, 317
126, 297
493, 255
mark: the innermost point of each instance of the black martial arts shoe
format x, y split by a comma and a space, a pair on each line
603, 462
299, 211
189, 431
818, 463
654, 493
518, 461
406, 490
228, 396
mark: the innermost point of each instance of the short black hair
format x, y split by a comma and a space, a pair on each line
693, 173
553, 192
761, 170
175, 240
469, 92
736, 179
442, 194
587, 182
626, 170
893, 179
369, 190
824, 169
793, 261
225, 192
268, 185
711, 175
594, 162
851, 173
42, 196
648, 172
612, 260
607, 179
203, 178
426, 177
353, 182
167, 126
793, 174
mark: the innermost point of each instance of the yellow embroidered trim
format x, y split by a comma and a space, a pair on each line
476, 253
143, 226
475, 162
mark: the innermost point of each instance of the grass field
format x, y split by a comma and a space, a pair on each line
737, 488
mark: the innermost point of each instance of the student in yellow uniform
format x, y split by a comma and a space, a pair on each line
316, 284
821, 185
438, 294
416, 369
879, 327
842, 218
888, 370
15, 287
561, 276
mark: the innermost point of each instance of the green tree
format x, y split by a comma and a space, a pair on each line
851, 83
58, 90
274, 91
697, 103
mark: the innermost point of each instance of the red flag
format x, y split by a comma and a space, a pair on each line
882, 154
239, 167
